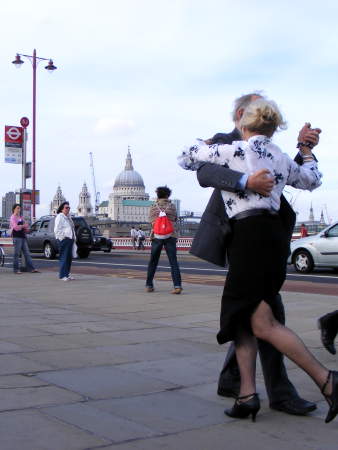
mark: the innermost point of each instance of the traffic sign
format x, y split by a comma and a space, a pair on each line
13, 135
24, 121
13, 144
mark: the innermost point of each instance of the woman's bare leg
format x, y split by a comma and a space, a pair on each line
266, 327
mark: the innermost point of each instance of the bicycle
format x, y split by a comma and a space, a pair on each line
2, 256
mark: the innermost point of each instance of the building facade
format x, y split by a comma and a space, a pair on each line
8, 201
128, 201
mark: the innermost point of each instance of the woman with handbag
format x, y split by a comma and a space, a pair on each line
65, 234
162, 216
258, 251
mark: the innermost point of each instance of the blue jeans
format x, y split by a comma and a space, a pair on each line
170, 248
65, 256
21, 246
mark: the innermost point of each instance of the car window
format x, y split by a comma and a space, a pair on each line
333, 232
79, 222
44, 225
36, 225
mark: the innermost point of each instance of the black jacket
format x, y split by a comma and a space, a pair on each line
209, 242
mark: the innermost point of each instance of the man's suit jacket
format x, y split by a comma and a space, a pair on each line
210, 239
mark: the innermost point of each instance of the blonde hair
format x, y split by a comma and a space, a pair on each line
243, 101
262, 116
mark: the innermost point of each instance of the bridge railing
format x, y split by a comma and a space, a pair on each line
183, 243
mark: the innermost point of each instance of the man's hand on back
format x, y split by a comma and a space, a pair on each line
261, 182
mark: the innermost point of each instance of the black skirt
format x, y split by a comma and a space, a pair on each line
257, 255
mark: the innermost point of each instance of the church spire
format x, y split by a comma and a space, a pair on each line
311, 217
129, 161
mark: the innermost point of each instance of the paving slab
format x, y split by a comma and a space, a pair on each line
165, 412
240, 436
182, 371
32, 430
27, 397
100, 423
105, 382
16, 364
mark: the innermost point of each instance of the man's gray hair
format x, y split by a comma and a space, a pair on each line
243, 101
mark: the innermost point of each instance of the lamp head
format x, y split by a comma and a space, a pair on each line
18, 61
50, 66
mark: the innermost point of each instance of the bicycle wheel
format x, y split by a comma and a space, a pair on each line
2, 257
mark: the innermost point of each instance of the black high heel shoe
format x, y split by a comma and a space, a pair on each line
332, 399
242, 410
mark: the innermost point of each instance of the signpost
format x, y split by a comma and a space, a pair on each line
15, 153
14, 143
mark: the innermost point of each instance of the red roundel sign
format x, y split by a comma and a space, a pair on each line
24, 121
13, 135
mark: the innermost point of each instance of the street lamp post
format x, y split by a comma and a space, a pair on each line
50, 67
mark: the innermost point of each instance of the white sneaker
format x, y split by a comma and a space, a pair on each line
70, 277
64, 279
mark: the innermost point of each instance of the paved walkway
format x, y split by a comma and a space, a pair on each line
98, 363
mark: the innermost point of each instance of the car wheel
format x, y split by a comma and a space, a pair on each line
303, 261
49, 251
83, 253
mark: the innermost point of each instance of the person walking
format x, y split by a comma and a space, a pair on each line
303, 231
65, 234
209, 244
162, 216
19, 227
141, 237
133, 236
258, 251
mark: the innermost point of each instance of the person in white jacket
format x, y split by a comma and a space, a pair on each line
65, 234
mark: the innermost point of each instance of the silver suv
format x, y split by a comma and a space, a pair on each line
319, 250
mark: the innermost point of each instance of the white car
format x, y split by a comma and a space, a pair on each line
319, 250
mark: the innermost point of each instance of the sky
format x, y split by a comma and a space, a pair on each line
155, 75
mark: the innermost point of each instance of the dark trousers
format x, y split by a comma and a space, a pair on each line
278, 385
170, 248
65, 257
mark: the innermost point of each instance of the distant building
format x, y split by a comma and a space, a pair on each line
129, 202
56, 202
313, 226
84, 208
8, 200
103, 209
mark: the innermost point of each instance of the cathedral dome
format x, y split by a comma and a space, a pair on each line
129, 177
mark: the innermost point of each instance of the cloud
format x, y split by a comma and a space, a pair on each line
109, 125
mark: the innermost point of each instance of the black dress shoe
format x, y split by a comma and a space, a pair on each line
328, 326
295, 406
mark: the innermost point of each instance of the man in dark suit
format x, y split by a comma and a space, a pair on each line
208, 244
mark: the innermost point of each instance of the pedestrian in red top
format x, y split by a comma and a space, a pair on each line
303, 231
